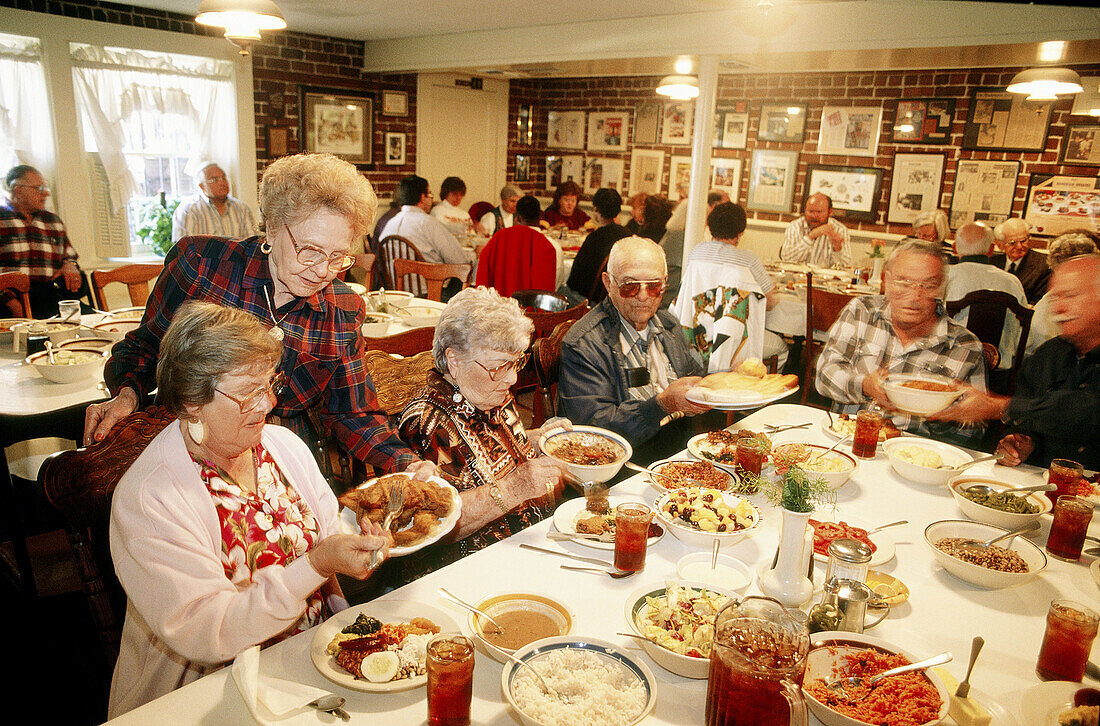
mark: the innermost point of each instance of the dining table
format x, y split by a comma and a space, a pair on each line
788, 317
942, 613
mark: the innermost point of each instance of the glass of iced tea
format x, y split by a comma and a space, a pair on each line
1071, 523
450, 664
865, 439
1071, 628
631, 535
750, 455
1066, 475
756, 662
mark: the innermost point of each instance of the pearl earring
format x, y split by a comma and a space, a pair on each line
196, 431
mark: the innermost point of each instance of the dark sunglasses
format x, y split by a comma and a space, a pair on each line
653, 288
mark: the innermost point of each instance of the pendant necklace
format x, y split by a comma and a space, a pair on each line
276, 332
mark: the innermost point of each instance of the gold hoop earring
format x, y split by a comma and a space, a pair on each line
265, 247
197, 431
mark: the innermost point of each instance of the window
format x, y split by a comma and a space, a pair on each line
24, 106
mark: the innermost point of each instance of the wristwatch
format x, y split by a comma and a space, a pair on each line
498, 497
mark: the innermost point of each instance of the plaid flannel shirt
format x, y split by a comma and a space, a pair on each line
38, 247
323, 348
862, 340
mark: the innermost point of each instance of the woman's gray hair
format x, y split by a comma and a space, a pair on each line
295, 187
204, 342
478, 318
1067, 246
935, 217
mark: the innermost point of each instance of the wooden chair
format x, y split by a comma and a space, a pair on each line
480, 209
434, 275
363, 261
546, 322
822, 309
80, 484
542, 300
397, 379
396, 247
20, 284
546, 358
408, 343
988, 311
136, 277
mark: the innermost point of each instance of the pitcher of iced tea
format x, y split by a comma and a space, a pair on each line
756, 663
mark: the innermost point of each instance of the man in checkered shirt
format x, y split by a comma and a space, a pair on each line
33, 240
905, 331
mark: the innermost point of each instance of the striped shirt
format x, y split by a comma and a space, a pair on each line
862, 340
644, 349
198, 215
724, 253
323, 348
799, 248
38, 246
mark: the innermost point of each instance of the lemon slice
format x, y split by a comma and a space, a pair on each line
380, 667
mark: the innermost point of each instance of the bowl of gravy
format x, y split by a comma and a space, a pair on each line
525, 618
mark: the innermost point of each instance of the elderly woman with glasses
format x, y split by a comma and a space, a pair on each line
315, 207
223, 532
466, 422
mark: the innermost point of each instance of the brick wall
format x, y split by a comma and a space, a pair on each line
815, 90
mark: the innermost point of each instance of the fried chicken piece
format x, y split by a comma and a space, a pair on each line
592, 525
436, 498
422, 524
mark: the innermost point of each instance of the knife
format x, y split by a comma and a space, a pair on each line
589, 560
574, 537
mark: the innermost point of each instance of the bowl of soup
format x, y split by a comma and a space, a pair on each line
524, 617
69, 365
922, 394
591, 453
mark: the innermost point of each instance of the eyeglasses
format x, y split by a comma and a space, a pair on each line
495, 374
653, 288
212, 179
255, 400
310, 256
923, 286
44, 188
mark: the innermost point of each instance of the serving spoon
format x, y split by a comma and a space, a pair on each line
828, 450
837, 684
678, 482
459, 601
333, 704
974, 546
987, 490
972, 462
542, 681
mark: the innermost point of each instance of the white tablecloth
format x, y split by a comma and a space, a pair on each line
942, 612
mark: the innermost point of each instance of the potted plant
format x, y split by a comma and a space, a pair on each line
154, 222
877, 256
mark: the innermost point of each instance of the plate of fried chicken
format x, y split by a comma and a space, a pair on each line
429, 510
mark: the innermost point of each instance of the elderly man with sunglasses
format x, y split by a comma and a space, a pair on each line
905, 331
625, 365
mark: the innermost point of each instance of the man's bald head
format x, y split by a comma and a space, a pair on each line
973, 238
635, 279
637, 252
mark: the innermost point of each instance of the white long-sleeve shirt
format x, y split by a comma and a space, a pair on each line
799, 248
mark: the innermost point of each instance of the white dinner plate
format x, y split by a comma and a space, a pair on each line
694, 450
568, 510
1000, 715
748, 403
1041, 704
351, 526
387, 611
885, 549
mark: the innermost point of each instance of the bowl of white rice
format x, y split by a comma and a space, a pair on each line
924, 461
605, 686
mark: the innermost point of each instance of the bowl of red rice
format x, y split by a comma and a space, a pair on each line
911, 699
1005, 564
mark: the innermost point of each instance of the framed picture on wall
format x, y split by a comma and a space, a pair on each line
395, 148
600, 173
854, 190
915, 186
782, 122
676, 125
523, 168
771, 180
564, 168
1057, 204
849, 131
679, 177
1082, 145
565, 130
395, 103
607, 131
647, 120
725, 174
1004, 121
735, 130
923, 120
646, 168
524, 134
983, 191
339, 122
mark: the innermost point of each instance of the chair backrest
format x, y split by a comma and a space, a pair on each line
408, 343
479, 210
541, 300
822, 309
434, 274
546, 322
363, 261
80, 483
546, 358
986, 320
992, 356
397, 379
395, 247
136, 277
20, 283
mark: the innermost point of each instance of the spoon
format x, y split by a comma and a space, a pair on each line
975, 647
542, 681
972, 462
837, 684
50, 352
638, 637
974, 545
884, 526
613, 574
986, 489
589, 560
446, 593
714, 554
331, 704
823, 453
678, 482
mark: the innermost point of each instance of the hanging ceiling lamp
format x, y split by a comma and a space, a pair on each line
681, 88
242, 19
1046, 83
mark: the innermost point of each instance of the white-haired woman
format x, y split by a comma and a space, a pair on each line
465, 421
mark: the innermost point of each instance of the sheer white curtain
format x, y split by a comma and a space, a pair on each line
141, 102
24, 106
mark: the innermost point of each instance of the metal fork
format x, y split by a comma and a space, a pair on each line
395, 499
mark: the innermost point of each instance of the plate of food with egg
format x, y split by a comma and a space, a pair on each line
573, 516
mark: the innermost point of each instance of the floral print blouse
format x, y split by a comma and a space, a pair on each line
271, 527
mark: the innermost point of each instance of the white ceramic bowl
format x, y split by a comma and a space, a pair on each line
1033, 555
731, 574
57, 332
376, 324
395, 298
586, 472
915, 400
510, 602
115, 329
89, 343
357, 288
820, 664
602, 648
699, 538
681, 665
988, 515
835, 479
951, 455
73, 373
664, 485
419, 316
6, 327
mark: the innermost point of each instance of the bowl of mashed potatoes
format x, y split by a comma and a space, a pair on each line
924, 461
835, 467
69, 365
